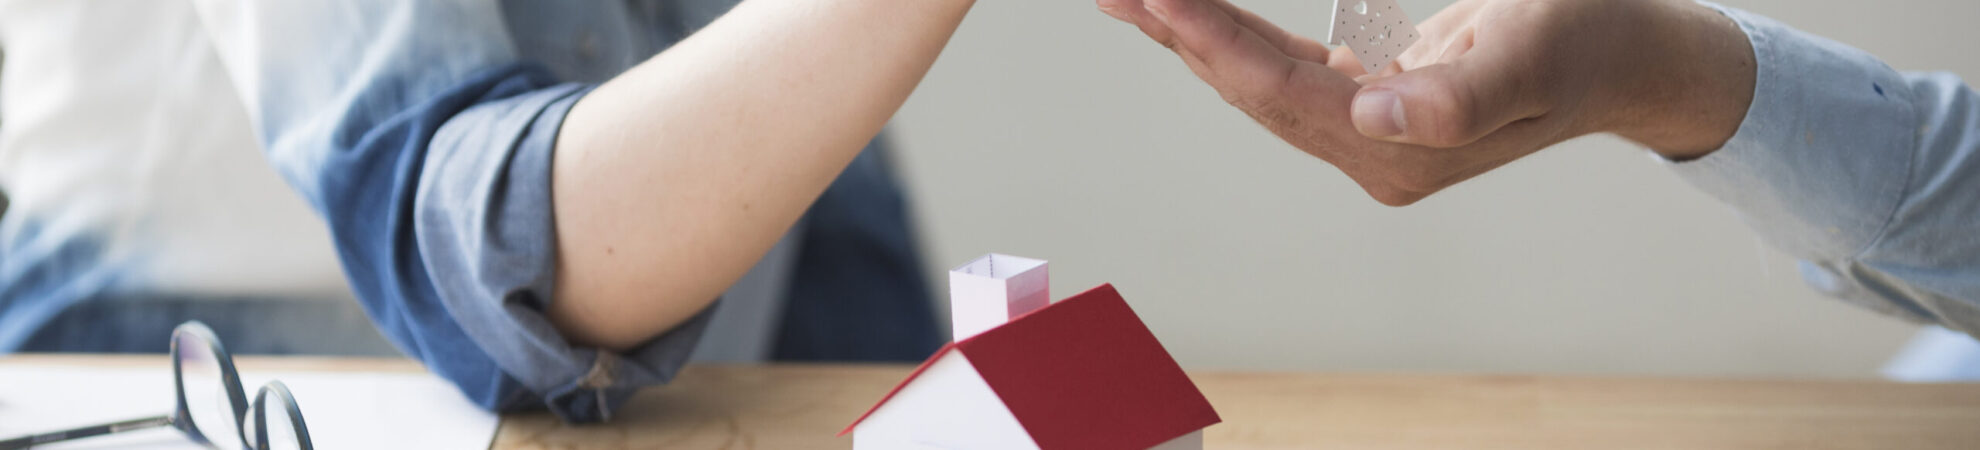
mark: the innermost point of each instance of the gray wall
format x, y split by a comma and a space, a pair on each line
1049, 130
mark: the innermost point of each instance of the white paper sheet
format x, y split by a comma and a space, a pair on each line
342, 409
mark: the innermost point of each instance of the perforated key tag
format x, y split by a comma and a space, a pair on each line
1377, 30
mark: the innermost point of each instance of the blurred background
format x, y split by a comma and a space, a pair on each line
1049, 130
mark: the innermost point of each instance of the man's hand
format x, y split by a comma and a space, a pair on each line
1490, 81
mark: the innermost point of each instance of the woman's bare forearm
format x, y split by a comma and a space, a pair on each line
671, 180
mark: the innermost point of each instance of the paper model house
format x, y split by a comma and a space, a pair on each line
1377, 30
1082, 373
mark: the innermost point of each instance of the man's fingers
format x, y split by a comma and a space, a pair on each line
1456, 103
1133, 12
1244, 67
1291, 44
1442, 25
1343, 60
1118, 9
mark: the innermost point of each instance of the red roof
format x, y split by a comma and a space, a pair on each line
1083, 373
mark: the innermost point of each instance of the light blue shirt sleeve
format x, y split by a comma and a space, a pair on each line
1868, 176
425, 142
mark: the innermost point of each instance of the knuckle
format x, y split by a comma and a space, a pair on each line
1280, 121
1260, 107
1260, 94
1263, 104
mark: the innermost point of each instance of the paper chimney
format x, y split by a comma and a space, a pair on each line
991, 290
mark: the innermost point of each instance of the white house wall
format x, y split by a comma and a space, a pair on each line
1191, 441
948, 407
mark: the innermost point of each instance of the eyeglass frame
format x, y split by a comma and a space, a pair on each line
181, 416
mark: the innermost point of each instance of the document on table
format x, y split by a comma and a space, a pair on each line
342, 409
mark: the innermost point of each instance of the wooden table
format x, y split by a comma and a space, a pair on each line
803, 406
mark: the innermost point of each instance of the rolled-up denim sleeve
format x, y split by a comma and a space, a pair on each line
427, 148
482, 216
1870, 177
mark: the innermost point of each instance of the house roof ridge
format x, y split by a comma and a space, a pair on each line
1044, 365
946, 348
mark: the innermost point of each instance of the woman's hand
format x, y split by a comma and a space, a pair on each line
674, 178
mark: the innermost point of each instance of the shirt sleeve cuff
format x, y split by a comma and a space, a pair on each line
1821, 160
486, 228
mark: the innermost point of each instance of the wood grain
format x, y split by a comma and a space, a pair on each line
726, 407
803, 406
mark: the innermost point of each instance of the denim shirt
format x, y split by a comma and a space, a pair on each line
423, 132
1868, 176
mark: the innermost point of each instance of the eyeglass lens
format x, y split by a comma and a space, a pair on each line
206, 392
275, 426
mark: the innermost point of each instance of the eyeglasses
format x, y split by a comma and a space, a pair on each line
212, 408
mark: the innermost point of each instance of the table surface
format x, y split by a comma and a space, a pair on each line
804, 406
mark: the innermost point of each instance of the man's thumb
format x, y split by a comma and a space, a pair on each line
1444, 105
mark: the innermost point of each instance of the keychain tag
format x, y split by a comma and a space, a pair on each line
1377, 30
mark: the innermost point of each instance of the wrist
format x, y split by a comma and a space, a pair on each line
1699, 84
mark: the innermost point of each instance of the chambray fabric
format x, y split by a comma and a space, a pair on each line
431, 163
1870, 177
422, 132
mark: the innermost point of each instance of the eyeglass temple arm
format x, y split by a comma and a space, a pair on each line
83, 432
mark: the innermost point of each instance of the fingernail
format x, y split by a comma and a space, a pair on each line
1379, 113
